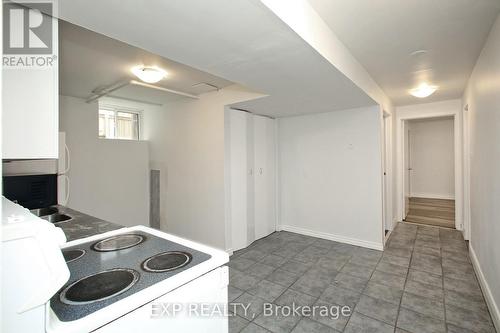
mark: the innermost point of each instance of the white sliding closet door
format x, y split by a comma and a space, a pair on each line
264, 176
251, 197
238, 142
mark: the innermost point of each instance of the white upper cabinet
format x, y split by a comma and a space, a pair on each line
30, 92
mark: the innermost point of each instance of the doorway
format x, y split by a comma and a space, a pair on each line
429, 171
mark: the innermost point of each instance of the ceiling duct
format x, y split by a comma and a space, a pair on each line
140, 92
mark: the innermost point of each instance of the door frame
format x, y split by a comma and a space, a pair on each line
466, 171
386, 154
434, 111
406, 167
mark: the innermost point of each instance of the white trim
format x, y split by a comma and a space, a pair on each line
387, 180
382, 169
229, 252
466, 170
332, 237
277, 178
228, 238
490, 301
432, 196
433, 110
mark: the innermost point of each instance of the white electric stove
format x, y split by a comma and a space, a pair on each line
127, 280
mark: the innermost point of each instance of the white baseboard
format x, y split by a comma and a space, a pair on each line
332, 237
432, 196
492, 306
229, 252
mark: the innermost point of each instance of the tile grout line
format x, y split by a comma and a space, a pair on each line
316, 300
362, 294
350, 258
287, 288
406, 280
246, 291
442, 281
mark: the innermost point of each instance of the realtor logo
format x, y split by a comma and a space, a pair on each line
29, 35
25, 29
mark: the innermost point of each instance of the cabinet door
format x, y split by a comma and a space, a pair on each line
264, 180
30, 99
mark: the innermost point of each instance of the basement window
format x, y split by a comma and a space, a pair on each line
118, 123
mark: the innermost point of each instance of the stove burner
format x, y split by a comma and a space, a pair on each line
118, 242
72, 255
166, 261
100, 286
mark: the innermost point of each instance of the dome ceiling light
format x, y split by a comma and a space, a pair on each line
149, 74
423, 90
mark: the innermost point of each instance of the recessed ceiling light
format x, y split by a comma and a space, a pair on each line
149, 74
423, 90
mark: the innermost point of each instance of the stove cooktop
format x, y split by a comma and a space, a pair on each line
108, 270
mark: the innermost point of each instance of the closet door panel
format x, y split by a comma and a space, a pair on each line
264, 196
250, 172
238, 138
270, 175
260, 193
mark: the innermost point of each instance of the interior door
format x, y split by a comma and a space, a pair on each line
264, 176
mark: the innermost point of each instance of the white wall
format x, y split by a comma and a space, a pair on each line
483, 99
432, 158
187, 145
109, 178
330, 175
308, 24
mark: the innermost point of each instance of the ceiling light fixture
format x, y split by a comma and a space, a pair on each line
418, 53
149, 74
423, 90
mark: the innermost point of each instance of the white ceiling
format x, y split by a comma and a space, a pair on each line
239, 40
383, 34
89, 60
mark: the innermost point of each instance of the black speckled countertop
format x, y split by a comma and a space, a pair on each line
82, 225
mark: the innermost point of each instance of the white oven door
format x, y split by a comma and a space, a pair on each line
198, 302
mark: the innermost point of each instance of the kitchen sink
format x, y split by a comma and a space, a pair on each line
57, 217
45, 211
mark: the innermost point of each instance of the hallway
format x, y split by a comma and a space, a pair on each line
436, 212
422, 282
